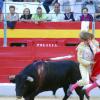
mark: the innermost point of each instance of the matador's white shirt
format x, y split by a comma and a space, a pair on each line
84, 54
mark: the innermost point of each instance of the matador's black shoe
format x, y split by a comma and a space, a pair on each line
87, 96
69, 91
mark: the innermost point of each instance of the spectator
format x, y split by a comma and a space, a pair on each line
12, 17
26, 15
56, 15
47, 3
85, 15
69, 15
39, 16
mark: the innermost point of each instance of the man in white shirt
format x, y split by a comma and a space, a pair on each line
56, 15
12, 15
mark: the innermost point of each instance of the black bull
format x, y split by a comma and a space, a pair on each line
47, 75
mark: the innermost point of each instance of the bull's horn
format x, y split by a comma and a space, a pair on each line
30, 79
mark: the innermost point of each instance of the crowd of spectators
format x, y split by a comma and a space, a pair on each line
62, 11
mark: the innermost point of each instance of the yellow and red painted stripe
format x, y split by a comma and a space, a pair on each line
46, 30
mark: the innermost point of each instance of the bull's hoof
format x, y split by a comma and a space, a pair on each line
87, 96
69, 91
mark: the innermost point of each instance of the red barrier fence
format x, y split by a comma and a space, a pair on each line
12, 60
31, 33
62, 44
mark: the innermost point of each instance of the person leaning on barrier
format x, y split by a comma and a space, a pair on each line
85, 56
12, 17
56, 15
39, 16
26, 17
85, 15
69, 16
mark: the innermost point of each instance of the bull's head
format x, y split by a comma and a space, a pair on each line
22, 84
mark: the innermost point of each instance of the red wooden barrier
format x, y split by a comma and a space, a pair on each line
13, 60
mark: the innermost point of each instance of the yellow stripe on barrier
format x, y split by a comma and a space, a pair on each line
44, 33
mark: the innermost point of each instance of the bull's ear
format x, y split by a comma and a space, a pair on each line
30, 79
12, 78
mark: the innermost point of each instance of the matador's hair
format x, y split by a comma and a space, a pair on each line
85, 36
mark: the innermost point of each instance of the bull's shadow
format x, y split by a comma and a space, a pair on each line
43, 76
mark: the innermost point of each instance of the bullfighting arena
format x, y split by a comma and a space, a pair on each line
49, 98
7, 92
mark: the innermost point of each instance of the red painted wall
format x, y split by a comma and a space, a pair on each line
12, 60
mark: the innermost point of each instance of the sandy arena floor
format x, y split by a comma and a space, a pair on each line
49, 98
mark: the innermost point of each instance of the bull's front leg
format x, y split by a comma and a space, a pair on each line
29, 98
65, 91
33, 95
